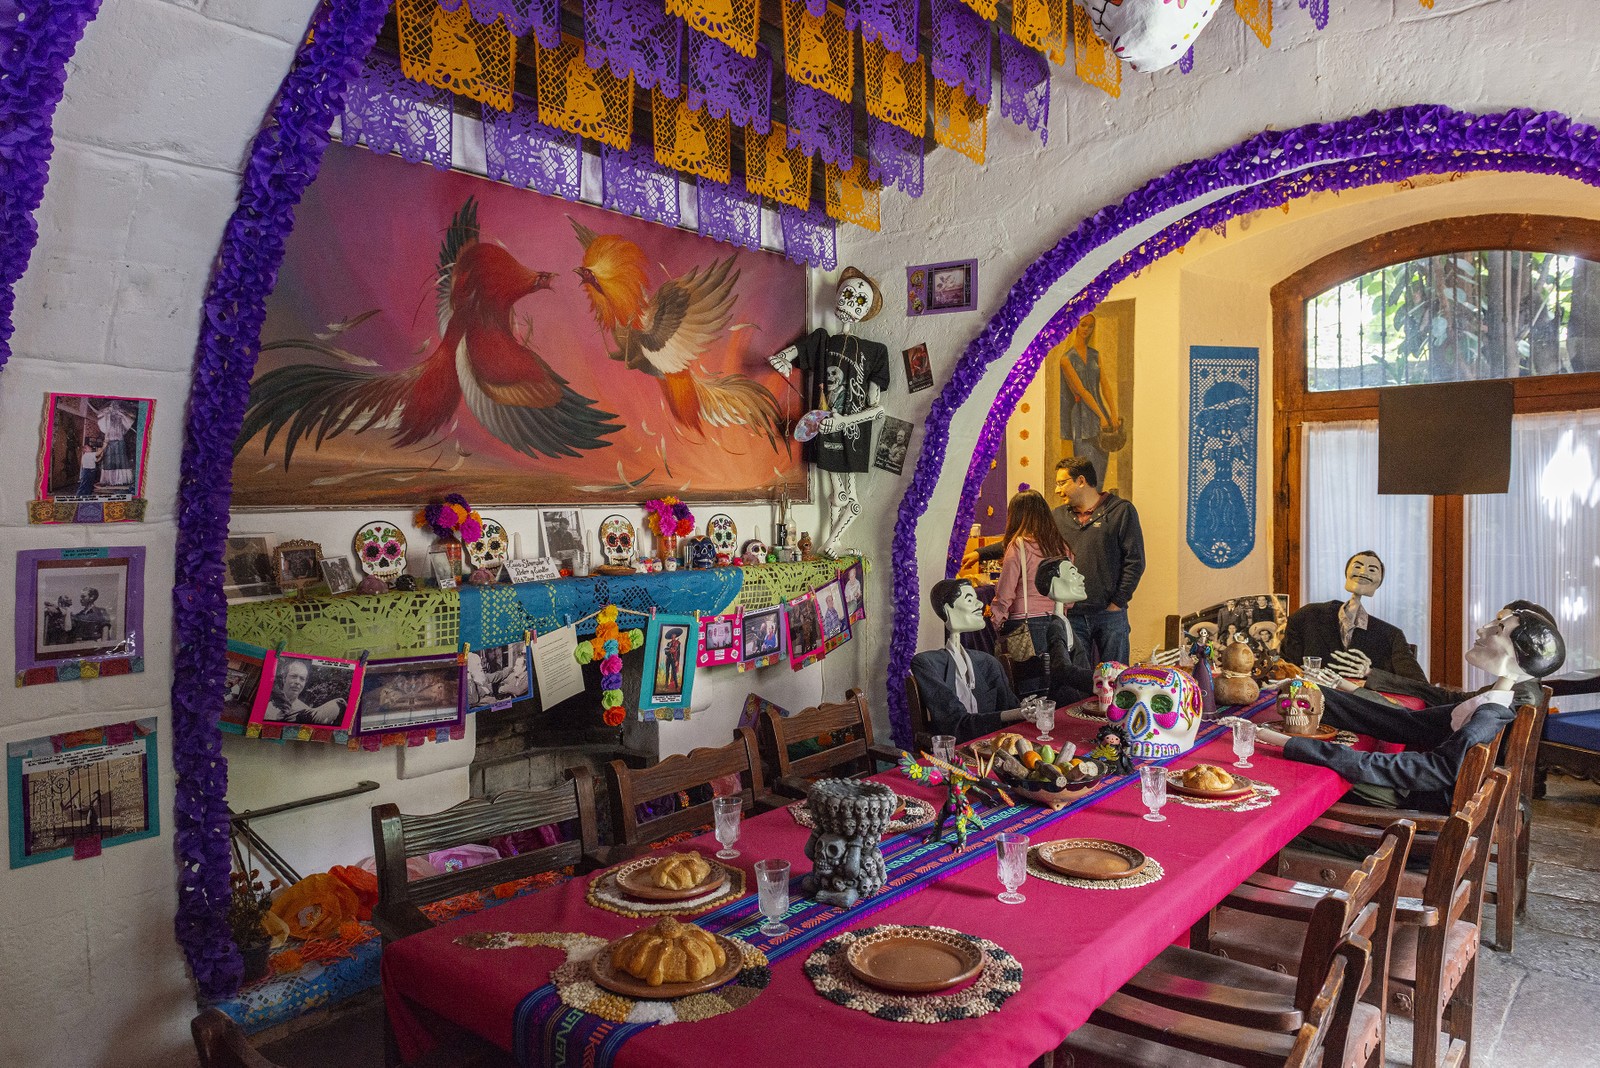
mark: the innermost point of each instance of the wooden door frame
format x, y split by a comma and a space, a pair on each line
1294, 405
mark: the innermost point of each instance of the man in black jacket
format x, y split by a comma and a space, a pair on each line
1107, 545
1328, 629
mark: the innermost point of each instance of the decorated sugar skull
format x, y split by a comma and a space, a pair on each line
858, 299
1150, 34
1159, 708
616, 541
755, 551
380, 548
1300, 706
723, 533
489, 551
1105, 682
701, 554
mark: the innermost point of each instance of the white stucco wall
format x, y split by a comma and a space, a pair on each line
160, 105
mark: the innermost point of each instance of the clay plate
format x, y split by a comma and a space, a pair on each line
635, 882
1177, 786
914, 960
1090, 858
620, 982
1323, 733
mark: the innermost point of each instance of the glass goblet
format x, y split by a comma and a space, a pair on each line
729, 812
1011, 856
944, 747
1244, 743
772, 886
1045, 719
1153, 791
1310, 664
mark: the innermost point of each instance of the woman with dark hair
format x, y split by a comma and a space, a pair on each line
1031, 538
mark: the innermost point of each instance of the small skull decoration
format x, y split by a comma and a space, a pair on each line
701, 554
755, 552
723, 533
1105, 683
857, 298
616, 541
488, 553
1300, 705
381, 550
1150, 34
1159, 708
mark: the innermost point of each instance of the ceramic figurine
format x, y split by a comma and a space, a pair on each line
700, 554
1234, 683
805, 546
1111, 750
1147, 35
755, 552
723, 533
849, 817
1300, 707
1159, 708
1105, 682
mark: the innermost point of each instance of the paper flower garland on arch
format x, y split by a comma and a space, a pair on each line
607, 647
451, 518
668, 516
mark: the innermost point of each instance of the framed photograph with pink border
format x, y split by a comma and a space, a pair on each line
762, 638
416, 693
854, 591
804, 629
92, 459
306, 698
79, 613
720, 639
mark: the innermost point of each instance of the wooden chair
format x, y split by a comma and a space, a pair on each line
1513, 826
921, 729
630, 787
1245, 1014
221, 1043
397, 837
859, 754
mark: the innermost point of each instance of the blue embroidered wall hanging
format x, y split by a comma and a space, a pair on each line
1221, 525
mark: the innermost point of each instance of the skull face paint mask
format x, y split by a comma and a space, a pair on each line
1159, 708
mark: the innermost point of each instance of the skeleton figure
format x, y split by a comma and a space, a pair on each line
853, 373
616, 541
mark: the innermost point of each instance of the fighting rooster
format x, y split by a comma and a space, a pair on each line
514, 394
665, 333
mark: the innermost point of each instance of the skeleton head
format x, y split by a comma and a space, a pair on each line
858, 298
755, 551
722, 532
702, 554
381, 550
1150, 34
489, 551
834, 376
616, 541
1105, 682
1159, 708
1300, 705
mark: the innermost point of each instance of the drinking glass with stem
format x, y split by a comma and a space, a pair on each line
729, 812
1011, 856
772, 886
1244, 742
1044, 718
1153, 791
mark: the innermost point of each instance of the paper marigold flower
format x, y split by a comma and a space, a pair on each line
613, 717
287, 961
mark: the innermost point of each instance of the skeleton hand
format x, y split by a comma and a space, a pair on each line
831, 425
1351, 662
1328, 678
1232, 721
783, 360
1167, 657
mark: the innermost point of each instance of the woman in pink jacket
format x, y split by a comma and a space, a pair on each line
1031, 538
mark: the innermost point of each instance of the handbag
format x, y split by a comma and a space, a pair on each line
1018, 642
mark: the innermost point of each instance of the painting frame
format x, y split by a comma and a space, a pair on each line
64, 438
126, 752
297, 564
939, 288
247, 563
721, 639
1111, 340
658, 693
101, 641
771, 644
448, 712
481, 677
340, 676
803, 630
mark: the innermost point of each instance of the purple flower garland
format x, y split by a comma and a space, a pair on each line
1381, 146
39, 39
283, 160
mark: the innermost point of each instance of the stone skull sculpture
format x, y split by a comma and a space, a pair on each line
722, 531
616, 541
1105, 683
1159, 708
490, 550
1148, 35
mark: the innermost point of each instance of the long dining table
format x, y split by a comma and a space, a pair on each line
1076, 946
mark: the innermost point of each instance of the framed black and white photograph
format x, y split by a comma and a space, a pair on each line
338, 574
413, 693
79, 613
563, 533
313, 691
443, 570
247, 567
240, 684
498, 676
297, 564
894, 441
762, 638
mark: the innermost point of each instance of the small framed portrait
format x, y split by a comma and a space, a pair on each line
894, 442
247, 567
338, 574
563, 533
315, 692
297, 564
804, 630
444, 571
670, 657
94, 448
498, 676
719, 639
919, 370
854, 592
78, 793
411, 693
834, 615
240, 683
79, 613
762, 638
933, 288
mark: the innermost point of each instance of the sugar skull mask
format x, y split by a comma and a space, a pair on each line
1105, 682
1150, 34
381, 550
1300, 706
723, 533
490, 550
1159, 708
616, 541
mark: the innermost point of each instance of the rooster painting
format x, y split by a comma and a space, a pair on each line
665, 333
508, 387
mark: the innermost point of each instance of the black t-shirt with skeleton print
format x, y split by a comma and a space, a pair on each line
842, 365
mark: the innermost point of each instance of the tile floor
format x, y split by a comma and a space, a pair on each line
1537, 1006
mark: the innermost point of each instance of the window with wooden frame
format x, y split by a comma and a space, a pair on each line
1488, 296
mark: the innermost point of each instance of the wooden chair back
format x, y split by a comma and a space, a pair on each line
397, 837
1333, 1008
848, 717
221, 1043
629, 788
921, 729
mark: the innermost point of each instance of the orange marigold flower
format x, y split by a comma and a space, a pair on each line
287, 961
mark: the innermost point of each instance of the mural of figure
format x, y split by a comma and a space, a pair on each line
1088, 399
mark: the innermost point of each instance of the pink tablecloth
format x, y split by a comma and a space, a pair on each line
1076, 946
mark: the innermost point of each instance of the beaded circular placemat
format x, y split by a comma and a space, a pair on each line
1151, 871
918, 813
574, 980
605, 893
1260, 796
830, 974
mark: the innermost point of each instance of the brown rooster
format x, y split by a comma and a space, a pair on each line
663, 334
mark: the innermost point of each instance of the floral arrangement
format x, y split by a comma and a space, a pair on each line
451, 518
668, 516
607, 647
250, 903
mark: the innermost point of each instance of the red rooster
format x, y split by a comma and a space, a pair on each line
514, 394
663, 334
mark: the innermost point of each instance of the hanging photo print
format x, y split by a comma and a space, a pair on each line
804, 631
309, 698
79, 613
247, 567
73, 794
854, 592
498, 676
894, 441
919, 371
762, 638
669, 657
835, 617
719, 639
411, 693
240, 683
92, 460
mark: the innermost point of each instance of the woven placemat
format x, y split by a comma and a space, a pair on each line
1260, 796
1151, 872
575, 985
1088, 708
918, 814
1001, 977
605, 893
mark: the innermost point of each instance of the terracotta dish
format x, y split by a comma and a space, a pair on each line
914, 960
620, 982
1176, 785
1324, 733
1090, 858
635, 882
